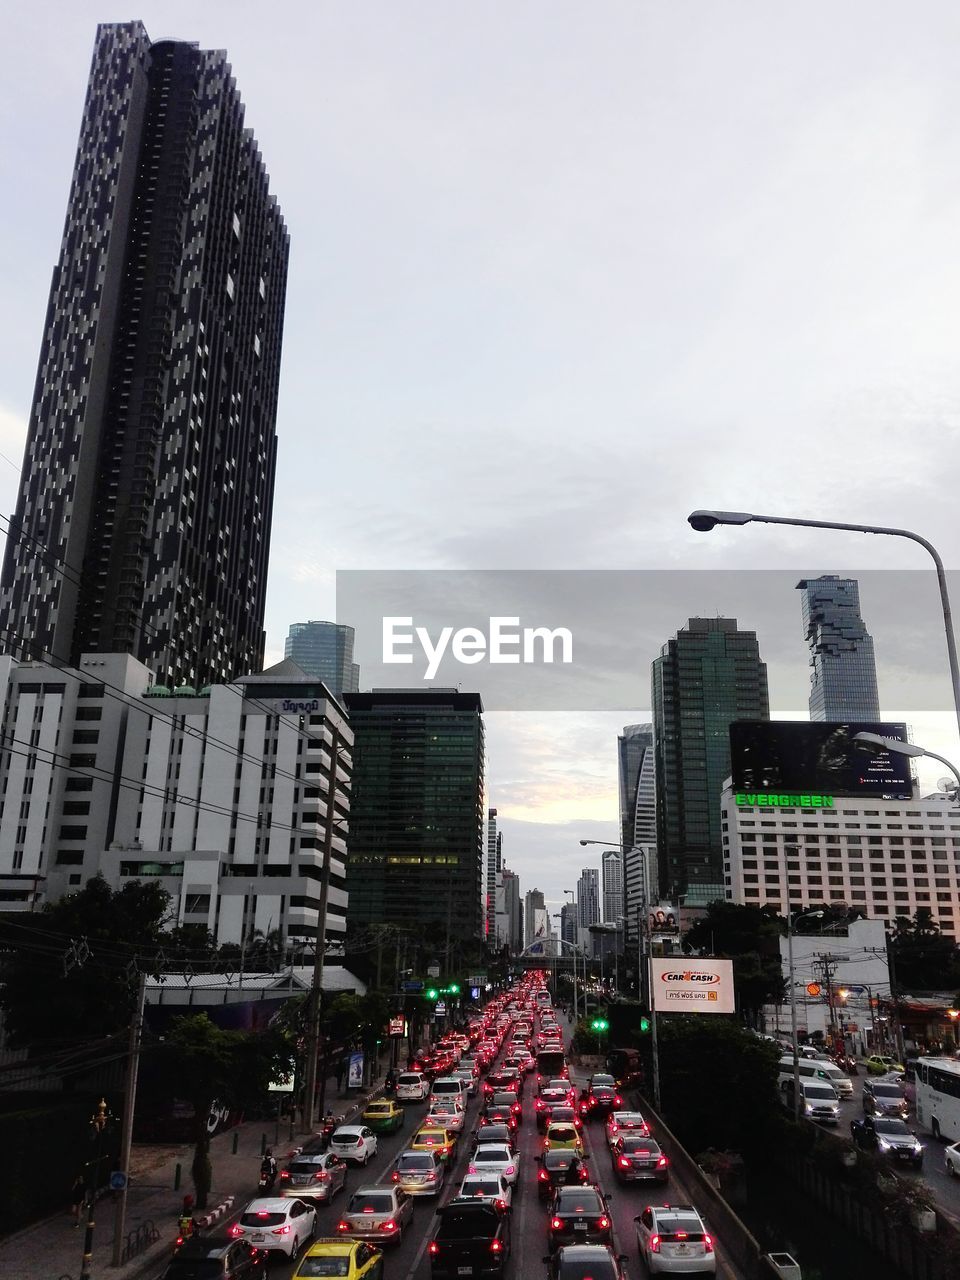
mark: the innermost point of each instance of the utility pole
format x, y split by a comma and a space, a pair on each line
897, 1029
129, 1104
828, 963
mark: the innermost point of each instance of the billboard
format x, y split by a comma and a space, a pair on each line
817, 756
663, 920
696, 986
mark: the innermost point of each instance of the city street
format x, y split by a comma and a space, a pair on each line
409, 1260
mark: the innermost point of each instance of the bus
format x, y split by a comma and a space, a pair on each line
938, 1096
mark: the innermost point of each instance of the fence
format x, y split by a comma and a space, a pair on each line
138, 1239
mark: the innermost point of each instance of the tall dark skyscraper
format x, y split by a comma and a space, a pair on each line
143, 519
416, 812
843, 677
325, 650
707, 676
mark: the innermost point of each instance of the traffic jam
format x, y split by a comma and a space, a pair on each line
490, 1159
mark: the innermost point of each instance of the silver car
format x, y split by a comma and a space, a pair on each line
673, 1239
380, 1214
313, 1177
419, 1173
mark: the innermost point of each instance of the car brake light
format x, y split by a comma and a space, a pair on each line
388, 1226
707, 1243
496, 1246
654, 1244
556, 1224
604, 1222
433, 1248
543, 1176
322, 1176
283, 1175
395, 1176
662, 1162
471, 1168
617, 1102
280, 1231
623, 1162
500, 1204
510, 1170
681, 1235
179, 1242
262, 1213
236, 1229
343, 1226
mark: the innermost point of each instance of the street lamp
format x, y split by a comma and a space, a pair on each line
791, 916
704, 521
98, 1123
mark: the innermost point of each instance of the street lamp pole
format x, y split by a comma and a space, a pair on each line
575, 1006
704, 521
98, 1122
791, 916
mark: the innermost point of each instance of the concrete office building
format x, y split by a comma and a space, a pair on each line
638, 823
143, 516
416, 826
884, 857
494, 863
235, 800
588, 898
325, 650
611, 874
843, 675
509, 911
708, 675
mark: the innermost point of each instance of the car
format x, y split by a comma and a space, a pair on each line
277, 1224
620, 1123
503, 1098
313, 1176
353, 1142
496, 1157
380, 1213
578, 1214
447, 1087
502, 1114
560, 1168
639, 1159
412, 1086
562, 1133
599, 1098
446, 1113
504, 1078
345, 1259
383, 1116
878, 1064
551, 1094
952, 1160
884, 1098
672, 1239
419, 1173
490, 1132
598, 1261
432, 1138
565, 1115
472, 1239
888, 1137
488, 1185
217, 1257
469, 1076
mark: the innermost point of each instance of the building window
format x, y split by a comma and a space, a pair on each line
73, 833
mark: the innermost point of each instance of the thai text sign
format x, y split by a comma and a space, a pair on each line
694, 986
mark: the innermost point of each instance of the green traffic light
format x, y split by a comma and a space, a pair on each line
644, 1024
454, 989
432, 993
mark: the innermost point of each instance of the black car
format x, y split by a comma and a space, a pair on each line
638, 1159
494, 1132
472, 1239
501, 1114
503, 1098
889, 1138
216, 1257
579, 1215
586, 1262
563, 1168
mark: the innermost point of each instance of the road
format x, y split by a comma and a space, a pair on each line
409, 1260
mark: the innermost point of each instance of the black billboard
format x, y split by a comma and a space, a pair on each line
817, 756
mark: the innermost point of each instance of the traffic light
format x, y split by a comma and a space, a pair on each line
432, 993
644, 1024
600, 1024
453, 989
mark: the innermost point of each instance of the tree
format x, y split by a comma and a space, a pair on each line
924, 958
206, 1065
64, 976
750, 937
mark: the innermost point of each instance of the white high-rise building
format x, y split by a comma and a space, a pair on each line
588, 898
611, 867
638, 823
494, 863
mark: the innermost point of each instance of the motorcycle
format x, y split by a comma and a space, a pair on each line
326, 1129
266, 1182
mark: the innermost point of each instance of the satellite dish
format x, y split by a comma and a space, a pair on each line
946, 784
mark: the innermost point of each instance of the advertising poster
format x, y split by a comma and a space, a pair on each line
663, 920
355, 1071
692, 986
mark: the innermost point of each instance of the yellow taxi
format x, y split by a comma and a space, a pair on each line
563, 1135
383, 1116
344, 1259
430, 1138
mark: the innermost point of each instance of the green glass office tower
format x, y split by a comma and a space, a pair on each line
707, 676
416, 811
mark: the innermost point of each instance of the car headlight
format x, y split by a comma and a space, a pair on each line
883, 1144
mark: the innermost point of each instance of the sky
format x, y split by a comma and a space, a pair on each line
559, 275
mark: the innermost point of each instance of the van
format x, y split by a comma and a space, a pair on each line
818, 1100
815, 1069
450, 1087
412, 1086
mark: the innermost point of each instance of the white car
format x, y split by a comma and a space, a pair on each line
446, 1114
486, 1186
620, 1123
496, 1157
412, 1086
276, 1224
354, 1142
673, 1240
952, 1158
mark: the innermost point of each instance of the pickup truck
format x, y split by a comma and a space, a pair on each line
887, 1137
472, 1239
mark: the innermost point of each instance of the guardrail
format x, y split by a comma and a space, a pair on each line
138, 1239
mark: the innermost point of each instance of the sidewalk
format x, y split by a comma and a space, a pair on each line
53, 1248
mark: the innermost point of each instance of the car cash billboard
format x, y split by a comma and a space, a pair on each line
692, 986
